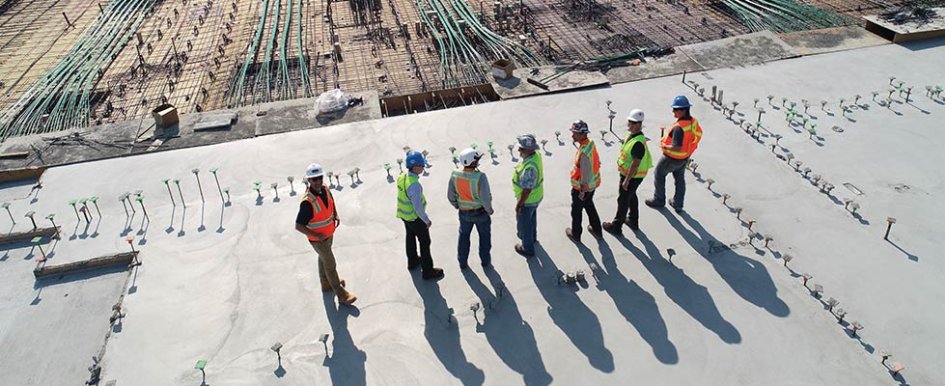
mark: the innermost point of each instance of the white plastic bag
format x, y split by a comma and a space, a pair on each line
331, 101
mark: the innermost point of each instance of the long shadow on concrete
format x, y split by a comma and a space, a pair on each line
442, 334
636, 305
569, 313
693, 298
346, 363
511, 337
747, 277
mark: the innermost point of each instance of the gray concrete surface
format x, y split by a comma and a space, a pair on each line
738, 51
223, 283
570, 79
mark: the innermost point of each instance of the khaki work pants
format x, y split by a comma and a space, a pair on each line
327, 272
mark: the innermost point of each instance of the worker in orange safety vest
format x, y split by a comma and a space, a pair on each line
678, 144
585, 178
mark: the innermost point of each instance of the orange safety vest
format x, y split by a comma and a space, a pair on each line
467, 188
323, 217
590, 150
692, 134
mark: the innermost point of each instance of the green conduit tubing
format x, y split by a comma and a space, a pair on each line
265, 74
303, 67
282, 57
63, 92
238, 86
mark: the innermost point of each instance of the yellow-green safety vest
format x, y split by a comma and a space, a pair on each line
405, 208
626, 159
536, 194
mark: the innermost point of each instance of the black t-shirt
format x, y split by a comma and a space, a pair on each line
638, 150
306, 212
677, 135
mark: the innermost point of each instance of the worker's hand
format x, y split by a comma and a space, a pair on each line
626, 184
337, 221
491, 212
518, 207
429, 224
581, 195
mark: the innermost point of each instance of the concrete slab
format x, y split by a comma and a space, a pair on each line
910, 29
224, 283
831, 40
570, 79
739, 51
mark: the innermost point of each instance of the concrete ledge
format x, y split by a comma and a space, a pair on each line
26, 236
29, 173
908, 31
831, 40
518, 86
739, 51
125, 258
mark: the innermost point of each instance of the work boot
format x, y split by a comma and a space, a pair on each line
346, 298
678, 209
570, 235
653, 204
633, 224
521, 251
612, 227
435, 273
327, 287
594, 233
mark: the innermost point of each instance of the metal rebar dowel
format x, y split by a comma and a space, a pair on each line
140, 200
199, 186
180, 192
217, 181
167, 184
889, 223
6, 205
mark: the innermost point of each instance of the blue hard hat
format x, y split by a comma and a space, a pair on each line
415, 158
681, 102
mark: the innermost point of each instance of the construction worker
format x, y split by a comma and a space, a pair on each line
678, 144
317, 220
469, 192
411, 208
527, 185
585, 178
632, 163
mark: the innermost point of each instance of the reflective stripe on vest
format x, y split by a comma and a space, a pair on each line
323, 218
625, 160
405, 208
532, 162
467, 189
692, 134
589, 150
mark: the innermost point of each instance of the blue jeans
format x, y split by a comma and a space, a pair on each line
483, 223
666, 166
527, 221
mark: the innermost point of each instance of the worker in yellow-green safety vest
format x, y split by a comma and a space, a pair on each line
632, 163
411, 208
469, 192
527, 184
585, 178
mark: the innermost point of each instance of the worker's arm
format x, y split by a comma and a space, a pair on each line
587, 172
632, 172
451, 193
677, 135
485, 194
415, 193
335, 208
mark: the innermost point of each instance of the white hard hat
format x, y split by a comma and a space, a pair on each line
314, 170
468, 156
636, 115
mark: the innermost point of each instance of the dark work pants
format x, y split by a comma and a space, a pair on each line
577, 207
627, 199
676, 167
417, 231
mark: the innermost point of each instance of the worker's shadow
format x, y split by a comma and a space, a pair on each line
693, 298
636, 305
512, 338
747, 277
346, 362
569, 313
442, 333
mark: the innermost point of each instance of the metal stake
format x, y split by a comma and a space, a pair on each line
199, 187
215, 179
889, 222
167, 184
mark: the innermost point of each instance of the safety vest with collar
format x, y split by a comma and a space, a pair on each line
467, 189
323, 216
536, 194
590, 150
692, 134
625, 160
405, 210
